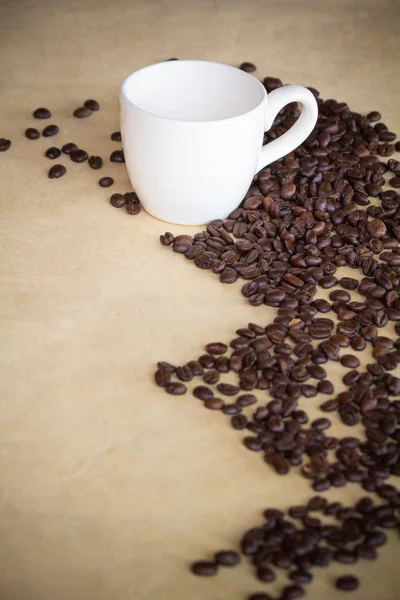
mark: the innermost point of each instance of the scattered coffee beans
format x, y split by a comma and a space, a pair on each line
50, 130
42, 113
117, 200
117, 156
82, 112
106, 181
78, 155
92, 104
52, 152
68, 148
248, 67
116, 136
95, 162
347, 583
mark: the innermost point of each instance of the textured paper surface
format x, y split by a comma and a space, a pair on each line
108, 485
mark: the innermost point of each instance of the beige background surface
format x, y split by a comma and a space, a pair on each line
108, 485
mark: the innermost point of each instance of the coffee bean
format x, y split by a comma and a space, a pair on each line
4, 144
291, 592
350, 361
82, 112
227, 558
52, 152
68, 148
216, 348
394, 182
117, 156
376, 228
50, 130
248, 67
214, 403
246, 400
78, 155
347, 582
32, 134
92, 104
202, 392
348, 283
106, 181
95, 162
204, 568
42, 113
175, 388
239, 421
57, 171
116, 136
117, 200
228, 389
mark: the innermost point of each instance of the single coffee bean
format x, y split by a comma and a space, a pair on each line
248, 67
117, 200
348, 283
291, 592
265, 574
50, 130
32, 134
204, 568
246, 400
116, 136
214, 403
227, 558
4, 144
95, 162
52, 152
239, 421
92, 104
228, 389
117, 156
78, 156
82, 112
347, 583
68, 148
350, 361
175, 388
395, 182
216, 348
41, 113
202, 392
106, 181
57, 171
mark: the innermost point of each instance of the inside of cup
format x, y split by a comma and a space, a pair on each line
193, 90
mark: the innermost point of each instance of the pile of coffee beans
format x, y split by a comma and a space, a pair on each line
79, 155
323, 207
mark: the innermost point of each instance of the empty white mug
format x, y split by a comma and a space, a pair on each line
192, 135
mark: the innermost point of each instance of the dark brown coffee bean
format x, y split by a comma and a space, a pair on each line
117, 200
132, 208
231, 409
346, 556
57, 171
366, 551
68, 148
228, 389
95, 162
281, 465
82, 112
116, 136
350, 361
216, 348
376, 228
214, 403
32, 134
265, 574
175, 388
117, 156
317, 503
348, 283
78, 156
92, 104
228, 275
347, 583
106, 182
325, 387
42, 113
204, 568
162, 377
202, 392
227, 558
328, 281
395, 182
52, 153
239, 421
50, 130
248, 67
246, 400
291, 592
184, 373
4, 144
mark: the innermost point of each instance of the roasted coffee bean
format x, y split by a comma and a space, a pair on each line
184, 373
202, 392
291, 592
52, 153
78, 155
228, 389
214, 403
246, 400
350, 361
394, 182
265, 574
57, 171
239, 421
117, 200
325, 387
50, 130
216, 348
116, 136
227, 558
133, 208
4, 144
117, 156
347, 582
32, 134
348, 283
95, 162
204, 568
42, 113
68, 148
175, 388
82, 112
92, 104
106, 181
248, 67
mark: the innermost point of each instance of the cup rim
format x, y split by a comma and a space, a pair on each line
125, 97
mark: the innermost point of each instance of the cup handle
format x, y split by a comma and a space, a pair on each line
296, 135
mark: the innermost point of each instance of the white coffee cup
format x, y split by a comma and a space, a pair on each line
192, 135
